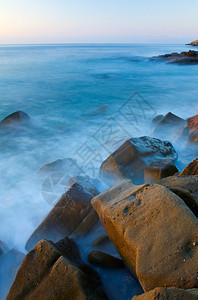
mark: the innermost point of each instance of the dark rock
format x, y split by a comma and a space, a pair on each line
172, 293
188, 183
105, 260
169, 125
67, 215
3, 248
191, 168
158, 170
66, 165
134, 155
56, 271
18, 117
100, 241
190, 57
156, 120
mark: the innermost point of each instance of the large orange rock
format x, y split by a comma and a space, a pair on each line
72, 213
154, 232
134, 155
55, 271
172, 293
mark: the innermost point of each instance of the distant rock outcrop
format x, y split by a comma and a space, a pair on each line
184, 58
194, 43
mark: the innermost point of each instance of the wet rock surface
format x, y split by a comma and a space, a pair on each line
153, 231
67, 215
105, 260
134, 155
56, 271
185, 58
158, 170
163, 293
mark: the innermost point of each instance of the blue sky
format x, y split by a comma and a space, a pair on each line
63, 21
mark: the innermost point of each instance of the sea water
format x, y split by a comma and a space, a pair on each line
84, 101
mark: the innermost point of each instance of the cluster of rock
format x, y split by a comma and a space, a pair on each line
149, 214
190, 57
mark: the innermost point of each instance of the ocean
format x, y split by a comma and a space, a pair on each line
84, 101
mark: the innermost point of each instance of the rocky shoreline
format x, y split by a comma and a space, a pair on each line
149, 214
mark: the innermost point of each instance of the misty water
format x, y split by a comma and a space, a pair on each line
84, 102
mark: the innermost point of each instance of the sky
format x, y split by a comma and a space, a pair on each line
98, 21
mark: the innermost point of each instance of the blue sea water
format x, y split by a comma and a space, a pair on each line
84, 101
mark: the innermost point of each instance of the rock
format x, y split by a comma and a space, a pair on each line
105, 260
191, 168
186, 58
168, 125
134, 155
186, 187
9, 265
18, 117
55, 271
66, 165
153, 230
192, 124
163, 293
194, 43
156, 120
158, 170
102, 240
3, 248
66, 216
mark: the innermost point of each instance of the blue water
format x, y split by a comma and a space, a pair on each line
76, 95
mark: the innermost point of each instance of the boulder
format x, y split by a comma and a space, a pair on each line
156, 120
191, 168
105, 260
100, 241
186, 187
169, 125
192, 124
16, 118
55, 271
66, 165
185, 58
134, 155
162, 293
73, 212
158, 170
154, 232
